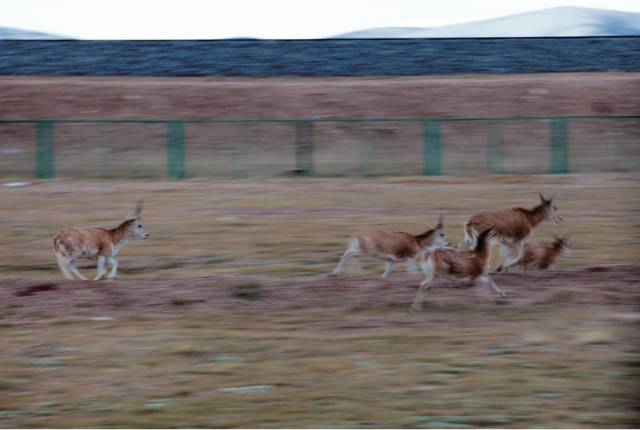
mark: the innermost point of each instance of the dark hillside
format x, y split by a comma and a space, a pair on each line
327, 57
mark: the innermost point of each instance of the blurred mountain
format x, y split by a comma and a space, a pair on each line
15, 33
554, 22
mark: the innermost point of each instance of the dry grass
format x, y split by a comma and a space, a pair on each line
300, 227
554, 364
208, 370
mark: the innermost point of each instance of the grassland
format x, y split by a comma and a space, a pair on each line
292, 227
224, 318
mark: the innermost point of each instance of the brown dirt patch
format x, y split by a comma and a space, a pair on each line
292, 98
615, 286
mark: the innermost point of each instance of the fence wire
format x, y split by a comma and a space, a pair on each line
319, 147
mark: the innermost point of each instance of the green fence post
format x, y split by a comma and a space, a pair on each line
495, 148
432, 148
45, 168
175, 150
559, 150
304, 148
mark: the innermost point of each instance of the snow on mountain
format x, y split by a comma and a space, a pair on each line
555, 22
14, 33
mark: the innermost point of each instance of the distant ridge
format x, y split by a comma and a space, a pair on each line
554, 22
320, 57
18, 34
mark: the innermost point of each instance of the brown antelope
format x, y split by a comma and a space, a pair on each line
512, 227
103, 243
391, 246
449, 262
542, 255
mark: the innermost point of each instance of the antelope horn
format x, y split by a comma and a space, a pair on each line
139, 206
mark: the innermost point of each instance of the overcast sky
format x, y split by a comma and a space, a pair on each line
268, 19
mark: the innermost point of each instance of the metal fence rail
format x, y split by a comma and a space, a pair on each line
378, 139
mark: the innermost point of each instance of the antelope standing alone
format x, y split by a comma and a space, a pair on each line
512, 227
542, 255
447, 262
103, 243
391, 246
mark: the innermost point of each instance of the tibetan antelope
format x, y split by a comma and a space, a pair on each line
103, 243
391, 246
542, 255
449, 262
512, 227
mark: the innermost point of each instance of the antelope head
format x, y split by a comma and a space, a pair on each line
564, 244
137, 232
550, 209
439, 238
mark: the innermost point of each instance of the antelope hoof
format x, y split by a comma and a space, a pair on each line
332, 275
500, 268
502, 294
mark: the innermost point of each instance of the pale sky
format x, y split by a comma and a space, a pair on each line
265, 19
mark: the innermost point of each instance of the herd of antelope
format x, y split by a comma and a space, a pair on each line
429, 251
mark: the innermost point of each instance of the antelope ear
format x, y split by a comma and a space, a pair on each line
440, 224
542, 199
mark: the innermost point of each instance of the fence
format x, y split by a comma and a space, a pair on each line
325, 147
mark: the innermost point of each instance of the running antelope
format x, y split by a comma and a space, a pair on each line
103, 243
448, 262
391, 246
512, 227
542, 255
